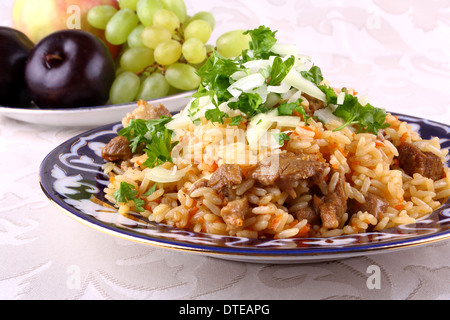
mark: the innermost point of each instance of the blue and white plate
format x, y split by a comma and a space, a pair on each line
72, 178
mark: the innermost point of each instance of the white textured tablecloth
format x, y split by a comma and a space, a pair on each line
397, 52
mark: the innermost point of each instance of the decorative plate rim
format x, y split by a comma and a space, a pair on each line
424, 231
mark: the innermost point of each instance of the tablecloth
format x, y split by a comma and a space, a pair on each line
396, 52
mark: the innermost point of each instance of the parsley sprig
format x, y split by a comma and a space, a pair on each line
288, 109
263, 39
153, 137
127, 192
365, 118
279, 70
314, 75
216, 74
249, 103
281, 137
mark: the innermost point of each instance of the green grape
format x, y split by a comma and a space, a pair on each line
166, 19
135, 37
194, 51
199, 29
182, 76
153, 87
119, 71
128, 4
178, 7
153, 36
168, 52
125, 88
120, 26
206, 16
99, 16
136, 59
231, 44
146, 9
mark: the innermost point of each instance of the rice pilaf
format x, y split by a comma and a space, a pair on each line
274, 175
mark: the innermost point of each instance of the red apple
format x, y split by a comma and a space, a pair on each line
38, 19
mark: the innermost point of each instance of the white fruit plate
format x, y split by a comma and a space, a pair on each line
88, 116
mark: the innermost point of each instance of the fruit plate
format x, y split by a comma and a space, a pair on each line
72, 178
88, 116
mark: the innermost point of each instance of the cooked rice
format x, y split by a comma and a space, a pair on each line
366, 161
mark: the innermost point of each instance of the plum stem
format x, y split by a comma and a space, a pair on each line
52, 56
53, 60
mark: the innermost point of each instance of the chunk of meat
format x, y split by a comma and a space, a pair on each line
146, 111
412, 160
118, 149
234, 212
314, 104
309, 213
226, 178
332, 206
374, 205
284, 169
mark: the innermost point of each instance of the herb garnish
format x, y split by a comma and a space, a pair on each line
217, 71
216, 76
249, 103
153, 137
236, 121
366, 118
151, 190
287, 109
314, 75
127, 192
279, 70
281, 137
263, 39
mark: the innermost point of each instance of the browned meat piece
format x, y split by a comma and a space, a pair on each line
234, 213
147, 111
314, 104
374, 205
118, 149
226, 178
283, 170
309, 213
412, 160
332, 206
156, 112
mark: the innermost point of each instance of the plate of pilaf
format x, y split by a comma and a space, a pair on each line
266, 163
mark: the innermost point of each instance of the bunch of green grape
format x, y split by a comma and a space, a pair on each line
162, 46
